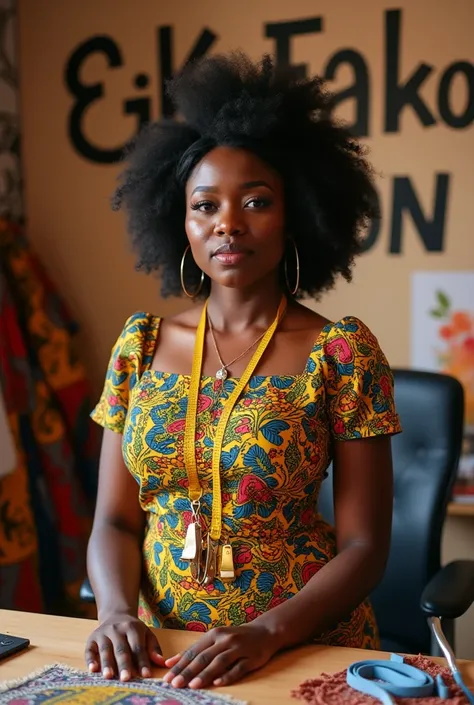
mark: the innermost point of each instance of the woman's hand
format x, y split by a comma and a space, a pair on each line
221, 657
122, 645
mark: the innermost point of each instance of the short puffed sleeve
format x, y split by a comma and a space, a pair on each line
131, 355
358, 383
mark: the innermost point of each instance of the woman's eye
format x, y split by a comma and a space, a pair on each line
257, 203
203, 206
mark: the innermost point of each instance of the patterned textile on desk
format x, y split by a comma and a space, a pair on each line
332, 689
46, 502
61, 684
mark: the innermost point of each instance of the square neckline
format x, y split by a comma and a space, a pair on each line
160, 374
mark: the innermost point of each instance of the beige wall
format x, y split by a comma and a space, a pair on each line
83, 244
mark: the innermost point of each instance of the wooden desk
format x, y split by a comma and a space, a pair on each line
461, 509
59, 639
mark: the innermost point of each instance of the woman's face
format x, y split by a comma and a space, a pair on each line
235, 220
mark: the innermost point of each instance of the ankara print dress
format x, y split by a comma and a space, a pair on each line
276, 449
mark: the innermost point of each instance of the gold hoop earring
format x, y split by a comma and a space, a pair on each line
183, 286
297, 284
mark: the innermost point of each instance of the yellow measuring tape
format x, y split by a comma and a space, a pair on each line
195, 489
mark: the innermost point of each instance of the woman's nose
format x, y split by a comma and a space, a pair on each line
230, 222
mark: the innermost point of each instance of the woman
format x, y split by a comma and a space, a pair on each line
226, 416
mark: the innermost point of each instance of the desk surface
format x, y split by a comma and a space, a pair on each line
60, 639
461, 509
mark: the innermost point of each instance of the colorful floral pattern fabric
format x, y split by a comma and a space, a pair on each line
63, 685
46, 503
276, 449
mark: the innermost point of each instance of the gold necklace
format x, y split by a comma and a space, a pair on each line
223, 372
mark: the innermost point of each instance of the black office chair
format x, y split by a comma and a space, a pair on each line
415, 592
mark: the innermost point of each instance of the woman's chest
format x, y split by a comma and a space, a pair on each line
278, 428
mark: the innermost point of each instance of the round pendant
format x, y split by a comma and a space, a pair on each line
222, 374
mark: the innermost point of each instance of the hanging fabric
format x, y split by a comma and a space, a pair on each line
46, 501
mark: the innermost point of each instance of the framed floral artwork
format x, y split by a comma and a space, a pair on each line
442, 340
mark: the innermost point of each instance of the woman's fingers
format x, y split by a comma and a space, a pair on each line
123, 647
91, 656
107, 657
181, 661
204, 665
170, 662
222, 656
139, 650
234, 674
221, 664
153, 650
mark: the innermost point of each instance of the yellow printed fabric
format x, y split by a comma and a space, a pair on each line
276, 449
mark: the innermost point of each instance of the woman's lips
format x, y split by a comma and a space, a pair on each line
230, 258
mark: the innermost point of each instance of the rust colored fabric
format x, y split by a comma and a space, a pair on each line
332, 689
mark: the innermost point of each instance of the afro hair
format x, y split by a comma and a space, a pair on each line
227, 100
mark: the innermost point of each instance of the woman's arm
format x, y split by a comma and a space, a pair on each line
114, 556
363, 506
122, 643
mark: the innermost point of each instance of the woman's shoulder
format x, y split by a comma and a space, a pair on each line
352, 329
137, 339
138, 323
131, 353
346, 345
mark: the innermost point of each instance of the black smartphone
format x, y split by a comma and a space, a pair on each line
10, 645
